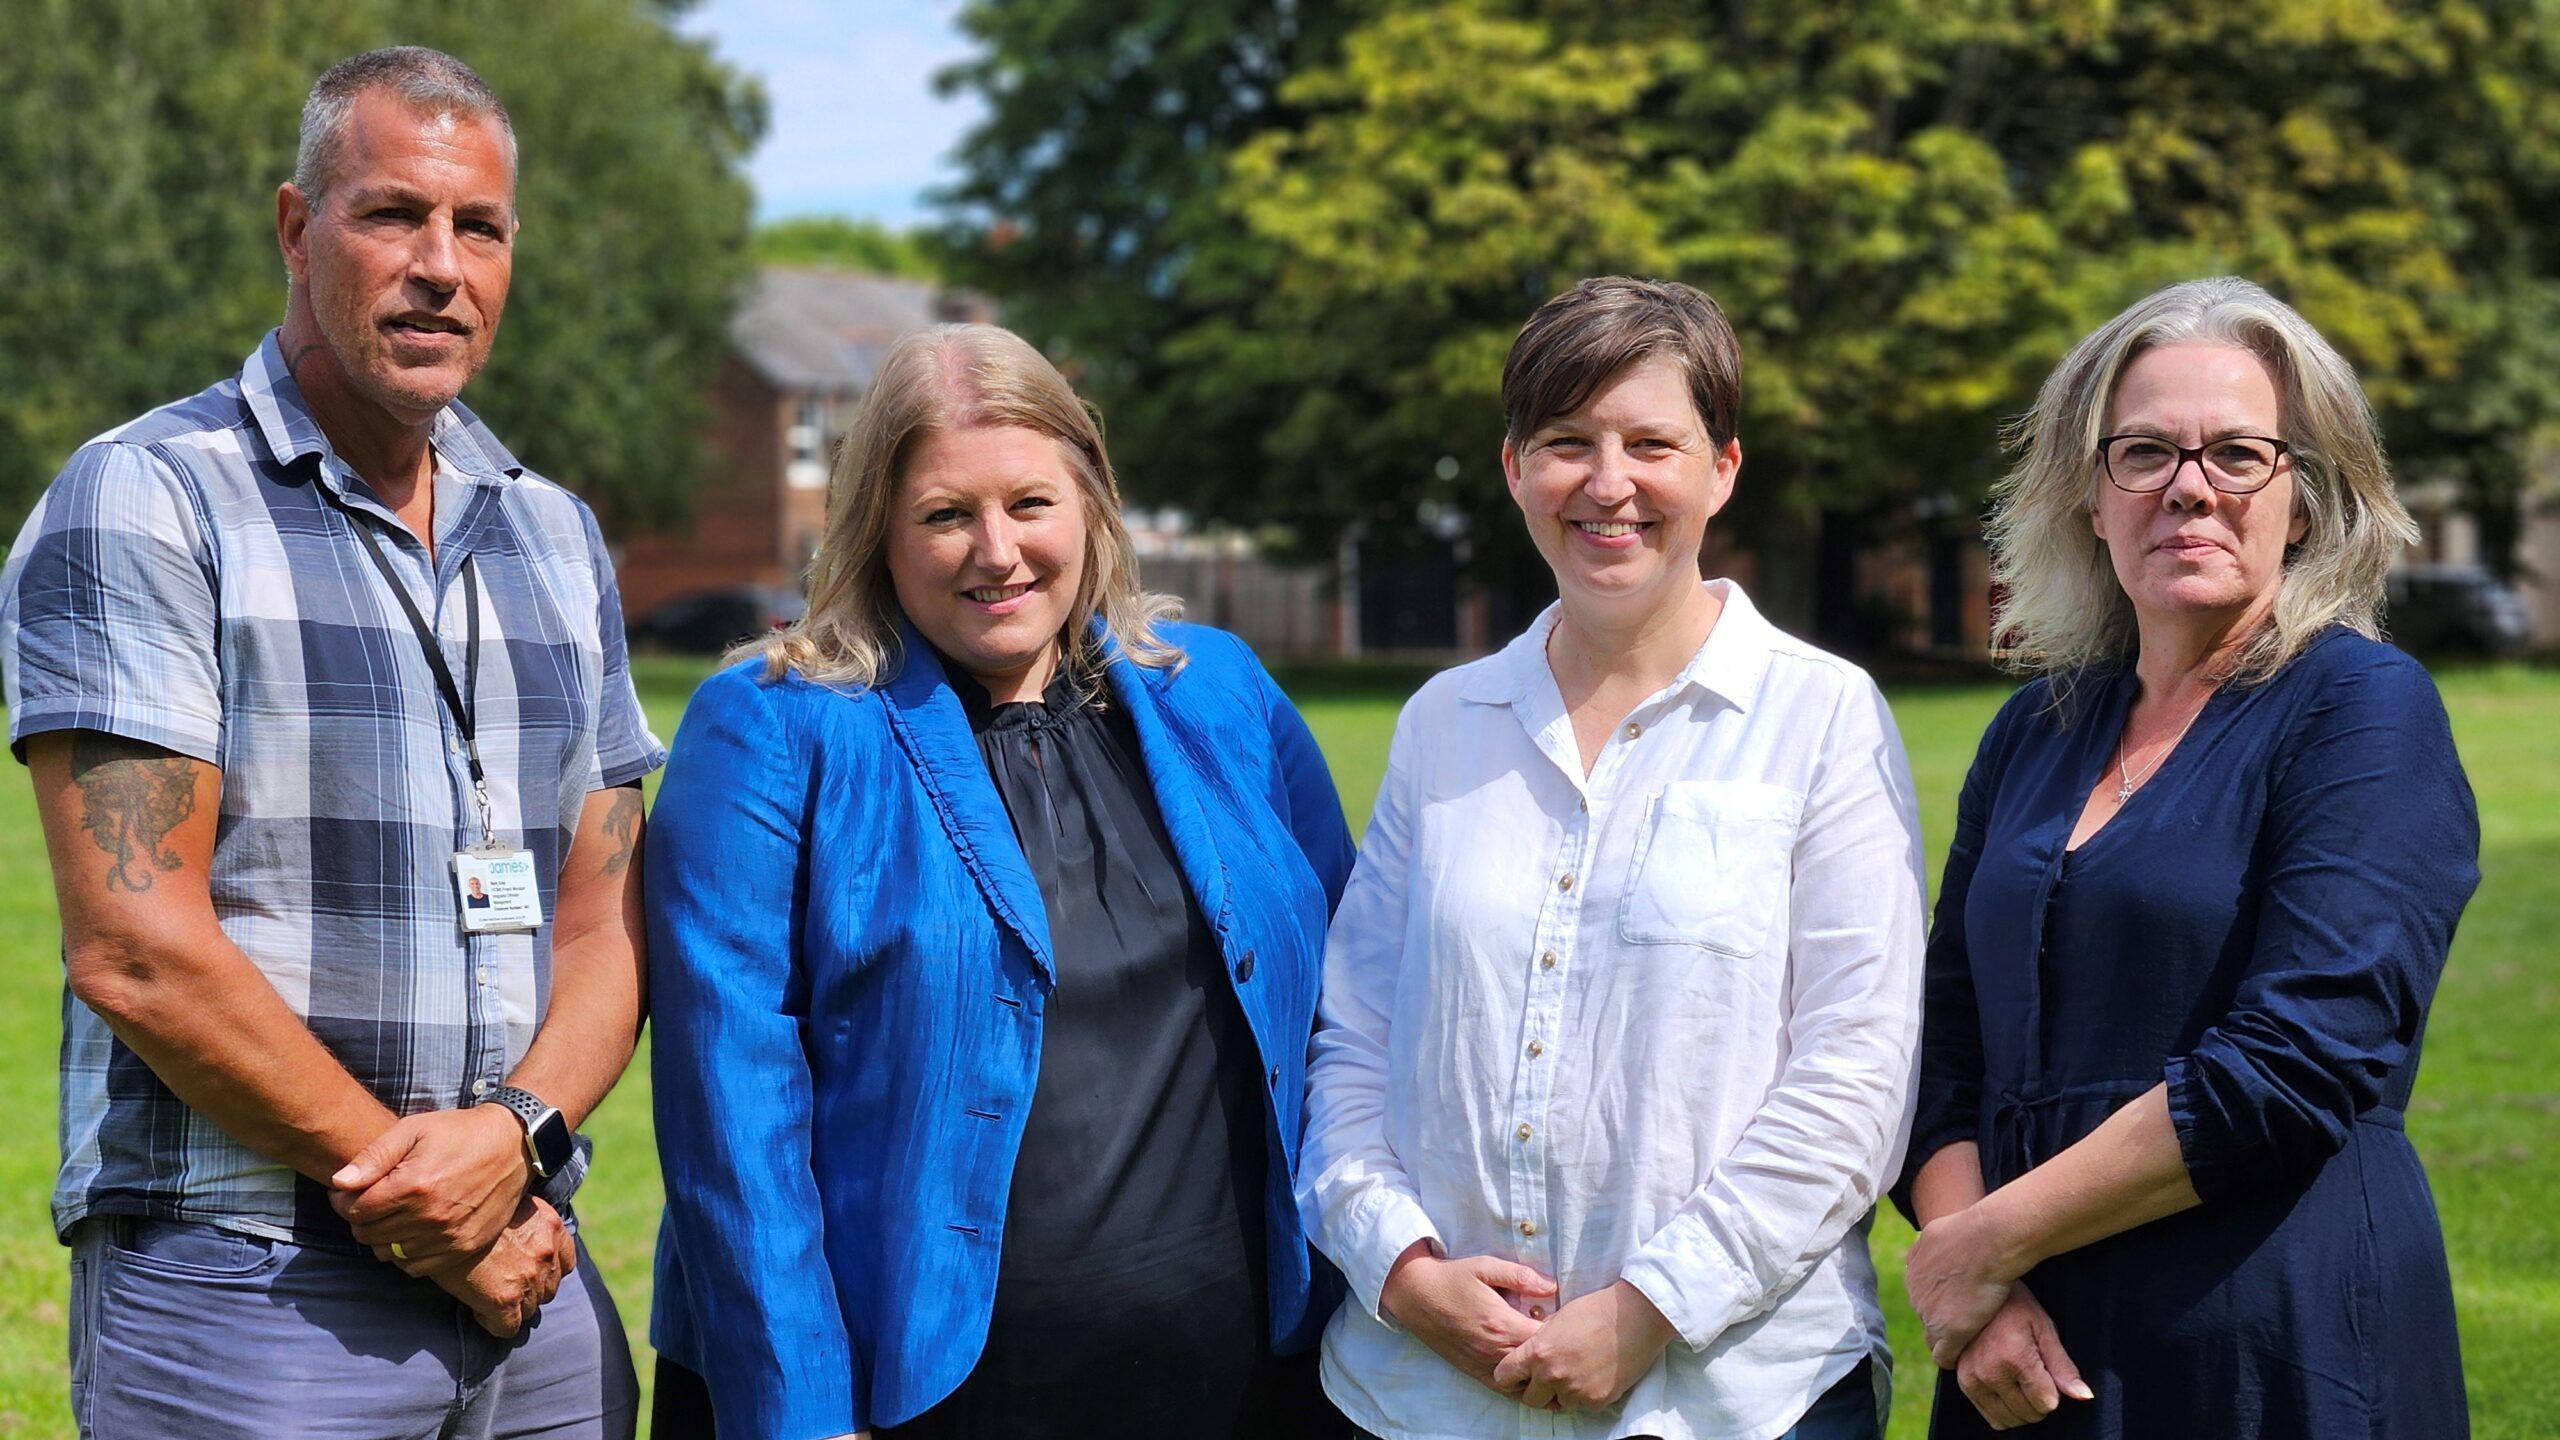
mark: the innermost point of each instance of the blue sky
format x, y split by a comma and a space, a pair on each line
855, 126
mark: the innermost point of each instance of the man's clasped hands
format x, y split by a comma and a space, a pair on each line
445, 1195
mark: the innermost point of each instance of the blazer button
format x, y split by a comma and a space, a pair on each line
1275, 1077
1244, 967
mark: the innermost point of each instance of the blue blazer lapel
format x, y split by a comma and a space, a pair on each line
1177, 782
934, 731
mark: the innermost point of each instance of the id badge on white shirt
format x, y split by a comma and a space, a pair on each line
498, 889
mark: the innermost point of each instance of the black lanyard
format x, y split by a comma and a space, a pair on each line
464, 703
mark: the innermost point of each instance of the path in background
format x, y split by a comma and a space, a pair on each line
2487, 1106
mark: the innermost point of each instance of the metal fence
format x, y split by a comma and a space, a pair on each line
1278, 610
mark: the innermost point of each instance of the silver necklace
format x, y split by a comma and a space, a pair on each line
2125, 790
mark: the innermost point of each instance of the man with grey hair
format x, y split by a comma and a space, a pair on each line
325, 702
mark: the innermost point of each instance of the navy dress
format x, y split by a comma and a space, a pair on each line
2260, 928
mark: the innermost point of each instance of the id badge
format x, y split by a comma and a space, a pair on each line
497, 888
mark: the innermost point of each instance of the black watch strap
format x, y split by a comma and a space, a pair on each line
527, 1105
546, 1130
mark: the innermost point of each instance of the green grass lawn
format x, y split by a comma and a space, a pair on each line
2486, 1117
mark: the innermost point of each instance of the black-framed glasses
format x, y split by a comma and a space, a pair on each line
2232, 464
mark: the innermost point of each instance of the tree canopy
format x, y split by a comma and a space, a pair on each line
141, 144
1092, 203
1293, 296
842, 243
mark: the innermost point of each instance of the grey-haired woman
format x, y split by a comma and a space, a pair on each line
2205, 871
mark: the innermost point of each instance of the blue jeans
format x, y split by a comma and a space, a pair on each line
1852, 1409
181, 1329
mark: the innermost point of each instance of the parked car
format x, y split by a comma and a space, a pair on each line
2448, 608
710, 621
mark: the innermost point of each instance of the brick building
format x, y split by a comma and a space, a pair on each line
802, 349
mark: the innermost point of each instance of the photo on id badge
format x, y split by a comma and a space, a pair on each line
497, 889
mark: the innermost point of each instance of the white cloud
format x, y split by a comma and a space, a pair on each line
855, 127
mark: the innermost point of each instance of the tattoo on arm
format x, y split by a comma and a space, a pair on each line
133, 795
622, 827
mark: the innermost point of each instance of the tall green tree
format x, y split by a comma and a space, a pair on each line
1910, 211
141, 143
1091, 200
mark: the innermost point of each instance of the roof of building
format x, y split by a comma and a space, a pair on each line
812, 329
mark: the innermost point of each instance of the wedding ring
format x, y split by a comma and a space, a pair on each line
397, 1253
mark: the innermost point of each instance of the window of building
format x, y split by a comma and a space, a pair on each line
807, 442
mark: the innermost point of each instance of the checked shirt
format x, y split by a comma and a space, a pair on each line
181, 583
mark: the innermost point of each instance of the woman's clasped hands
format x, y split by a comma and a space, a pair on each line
1583, 1356
1982, 1323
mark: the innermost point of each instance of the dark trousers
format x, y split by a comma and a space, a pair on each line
681, 1409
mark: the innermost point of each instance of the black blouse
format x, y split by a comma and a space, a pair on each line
1130, 1294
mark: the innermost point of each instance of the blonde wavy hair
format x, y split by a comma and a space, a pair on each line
936, 380
2065, 610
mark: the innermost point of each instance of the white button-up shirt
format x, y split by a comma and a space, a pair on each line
1658, 1025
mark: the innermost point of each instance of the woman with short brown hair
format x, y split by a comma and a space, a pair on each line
1620, 1005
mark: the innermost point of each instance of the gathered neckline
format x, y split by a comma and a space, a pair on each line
1064, 700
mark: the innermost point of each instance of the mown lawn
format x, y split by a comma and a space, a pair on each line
2486, 1117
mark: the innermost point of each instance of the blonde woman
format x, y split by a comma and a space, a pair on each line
988, 905
2205, 871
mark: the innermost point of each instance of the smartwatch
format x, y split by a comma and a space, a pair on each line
547, 1142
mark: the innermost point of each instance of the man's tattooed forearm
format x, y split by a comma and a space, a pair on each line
133, 796
622, 827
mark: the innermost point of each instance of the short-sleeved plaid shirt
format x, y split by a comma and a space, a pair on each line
182, 583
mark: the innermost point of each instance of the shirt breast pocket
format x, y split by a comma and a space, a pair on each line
1712, 867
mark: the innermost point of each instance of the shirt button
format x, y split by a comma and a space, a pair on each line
1565, 884
484, 974
479, 1087
1527, 1228
1547, 961
1583, 803
1634, 729
1523, 1131
1536, 1049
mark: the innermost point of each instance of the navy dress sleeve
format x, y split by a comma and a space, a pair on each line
2368, 853
1949, 1101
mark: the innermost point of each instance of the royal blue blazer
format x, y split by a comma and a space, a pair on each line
848, 963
